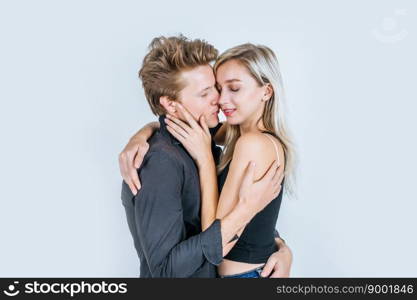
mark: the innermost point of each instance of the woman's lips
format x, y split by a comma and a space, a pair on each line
228, 112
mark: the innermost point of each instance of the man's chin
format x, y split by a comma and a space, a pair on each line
212, 121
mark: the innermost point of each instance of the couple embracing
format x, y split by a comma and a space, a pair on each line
201, 197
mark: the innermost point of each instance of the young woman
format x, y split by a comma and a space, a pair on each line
251, 97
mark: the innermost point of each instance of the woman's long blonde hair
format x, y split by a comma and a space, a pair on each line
262, 64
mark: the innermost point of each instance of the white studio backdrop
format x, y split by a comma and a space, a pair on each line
70, 99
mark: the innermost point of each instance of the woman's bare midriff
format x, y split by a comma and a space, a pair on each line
230, 267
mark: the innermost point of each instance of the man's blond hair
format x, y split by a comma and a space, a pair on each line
162, 66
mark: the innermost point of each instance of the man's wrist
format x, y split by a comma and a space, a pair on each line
280, 240
281, 244
233, 222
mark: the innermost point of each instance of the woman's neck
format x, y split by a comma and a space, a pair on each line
254, 124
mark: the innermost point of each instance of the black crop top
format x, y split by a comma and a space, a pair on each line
257, 242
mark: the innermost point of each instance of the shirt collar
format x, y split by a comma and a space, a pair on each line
164, 131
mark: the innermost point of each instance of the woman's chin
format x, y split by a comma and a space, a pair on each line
232, 121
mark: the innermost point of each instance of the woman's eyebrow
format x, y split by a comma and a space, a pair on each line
232, 80
228, 81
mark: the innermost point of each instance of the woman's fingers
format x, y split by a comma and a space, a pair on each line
204, 125
186, 114
140, 155
180, 123
132, 174
132, 187
126, 166
135, 178
176, 128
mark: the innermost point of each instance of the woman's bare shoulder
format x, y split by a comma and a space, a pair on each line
257, 143
257, 147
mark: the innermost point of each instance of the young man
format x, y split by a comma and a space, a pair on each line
164, 217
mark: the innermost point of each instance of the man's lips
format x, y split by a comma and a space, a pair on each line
228, 112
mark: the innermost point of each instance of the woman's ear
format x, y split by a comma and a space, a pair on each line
168, 105
269, 91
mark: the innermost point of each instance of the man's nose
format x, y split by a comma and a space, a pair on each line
215, 100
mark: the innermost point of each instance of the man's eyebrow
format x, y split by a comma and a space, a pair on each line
203, 90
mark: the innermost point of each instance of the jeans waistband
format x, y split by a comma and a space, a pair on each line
258, 269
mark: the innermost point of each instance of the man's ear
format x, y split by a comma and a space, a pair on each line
168, 104
269, 91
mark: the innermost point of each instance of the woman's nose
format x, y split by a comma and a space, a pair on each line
215, 100
222, 99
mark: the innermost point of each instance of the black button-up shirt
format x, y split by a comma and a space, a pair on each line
164, 217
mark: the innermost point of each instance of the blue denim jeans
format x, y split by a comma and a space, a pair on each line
255, 273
